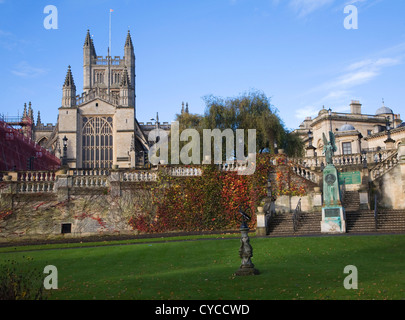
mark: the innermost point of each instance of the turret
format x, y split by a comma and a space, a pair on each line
89, 54
129, 57
39, 123
69, 91
126, 91
30, 112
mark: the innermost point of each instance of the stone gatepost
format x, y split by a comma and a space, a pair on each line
62, 185
115, 183
261, 222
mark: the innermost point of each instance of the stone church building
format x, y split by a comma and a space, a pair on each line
99, 124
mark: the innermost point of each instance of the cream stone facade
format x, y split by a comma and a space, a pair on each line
355, 132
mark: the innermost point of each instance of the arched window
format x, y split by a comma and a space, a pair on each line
97, 142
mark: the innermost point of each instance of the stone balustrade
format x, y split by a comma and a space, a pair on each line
384, 166
141, 176
306, 173
184, 172
35, 186
28, 176
233, 166
346, 159
97, 93
90, 181
89, 172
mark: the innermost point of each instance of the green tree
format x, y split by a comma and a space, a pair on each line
252, 110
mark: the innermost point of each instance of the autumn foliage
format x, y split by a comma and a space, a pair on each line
212, 201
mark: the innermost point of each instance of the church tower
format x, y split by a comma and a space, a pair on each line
100, 123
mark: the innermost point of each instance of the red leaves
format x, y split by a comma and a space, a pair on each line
212, 201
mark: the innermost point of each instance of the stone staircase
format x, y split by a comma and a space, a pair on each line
351, 201
282, 224
360, 221
391, 221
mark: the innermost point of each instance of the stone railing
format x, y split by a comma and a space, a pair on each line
35, 186
90, 181
29, 181
31, 176
139, 176
89, 172
345, 160
306, 173
234, 166
384, 166
97, 93
185, 172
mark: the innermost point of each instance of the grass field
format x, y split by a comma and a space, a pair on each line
290, 268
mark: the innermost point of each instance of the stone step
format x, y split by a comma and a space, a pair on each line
356, 222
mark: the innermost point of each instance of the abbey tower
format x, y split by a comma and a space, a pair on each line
100, 124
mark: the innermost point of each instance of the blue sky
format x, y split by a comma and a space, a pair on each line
296, 51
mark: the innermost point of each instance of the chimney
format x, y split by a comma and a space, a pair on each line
355, 107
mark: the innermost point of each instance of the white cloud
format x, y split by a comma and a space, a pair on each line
337, 92
307, 111
305, 7
24, 70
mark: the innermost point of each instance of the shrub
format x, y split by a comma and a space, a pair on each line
18, 283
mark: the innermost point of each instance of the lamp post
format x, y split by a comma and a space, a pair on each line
390, 143
64, 158
311, 149
156, 125
310, 138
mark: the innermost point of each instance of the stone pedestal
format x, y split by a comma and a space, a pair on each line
333, 220
246, 268
364, 202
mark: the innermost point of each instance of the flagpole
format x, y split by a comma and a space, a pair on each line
109, 40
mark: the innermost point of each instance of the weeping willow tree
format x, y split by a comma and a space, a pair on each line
252, 110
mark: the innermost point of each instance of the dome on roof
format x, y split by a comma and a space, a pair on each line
347, 127
384, 110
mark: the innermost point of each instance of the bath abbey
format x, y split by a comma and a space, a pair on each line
99, 124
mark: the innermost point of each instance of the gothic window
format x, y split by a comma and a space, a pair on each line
97, 142
98, 76
117, 77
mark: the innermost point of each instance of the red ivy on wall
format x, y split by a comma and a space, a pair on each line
212, 201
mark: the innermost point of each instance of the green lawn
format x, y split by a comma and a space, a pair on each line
291, 268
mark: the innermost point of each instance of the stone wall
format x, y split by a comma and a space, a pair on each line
82, 204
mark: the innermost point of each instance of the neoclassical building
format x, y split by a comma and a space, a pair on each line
355, 132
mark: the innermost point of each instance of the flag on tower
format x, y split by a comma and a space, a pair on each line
111, 10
